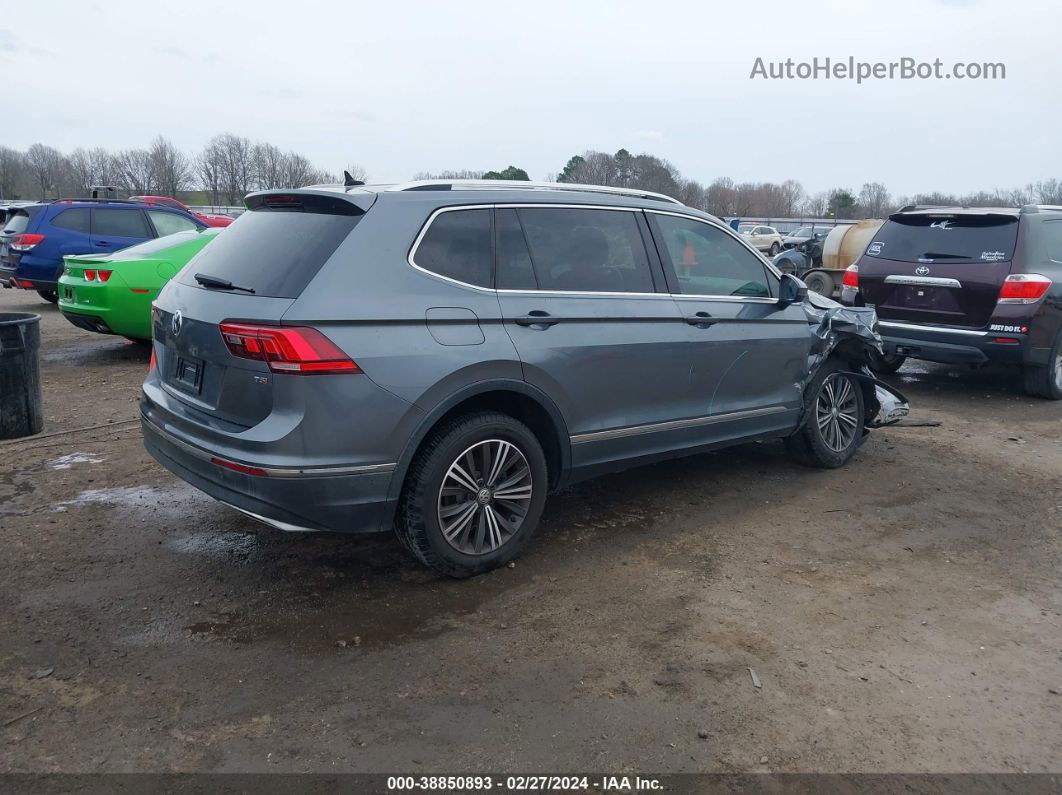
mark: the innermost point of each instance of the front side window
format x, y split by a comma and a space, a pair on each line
586, 250
457, 245
170, 223
515, 271
76, 220
708, 261
112, 222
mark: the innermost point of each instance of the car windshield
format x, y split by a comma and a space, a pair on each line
946, 238
746, 228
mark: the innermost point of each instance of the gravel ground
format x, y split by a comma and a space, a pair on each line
901, 614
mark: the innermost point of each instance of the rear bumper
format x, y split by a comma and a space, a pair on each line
349, 500
28, 272
958, 346
87, 322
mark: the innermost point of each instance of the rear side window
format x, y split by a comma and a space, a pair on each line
586, 250
515, 271
76, 220
708, 261
118, 223
170, 223
946, 238
278, 245
457, 245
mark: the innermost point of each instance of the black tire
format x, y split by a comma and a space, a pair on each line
820, 283
51, 296
418, 523
887, 363
812, 445
774, 249
1046, 380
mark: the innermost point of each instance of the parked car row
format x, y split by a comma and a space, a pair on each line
37, 236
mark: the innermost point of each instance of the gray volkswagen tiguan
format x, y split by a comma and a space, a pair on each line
436, 357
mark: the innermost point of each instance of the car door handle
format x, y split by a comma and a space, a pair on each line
536, 319
102, 243
701, 320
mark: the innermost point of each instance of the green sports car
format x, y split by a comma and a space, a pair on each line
112, 293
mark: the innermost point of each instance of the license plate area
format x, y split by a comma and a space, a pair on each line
68, 293
189, 374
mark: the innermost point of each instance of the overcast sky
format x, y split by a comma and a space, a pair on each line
401, 87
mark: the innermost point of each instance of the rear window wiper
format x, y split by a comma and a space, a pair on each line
941, 255
214, 283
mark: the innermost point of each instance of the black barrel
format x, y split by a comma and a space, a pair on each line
21, 413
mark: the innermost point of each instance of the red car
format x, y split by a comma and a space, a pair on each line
166, 201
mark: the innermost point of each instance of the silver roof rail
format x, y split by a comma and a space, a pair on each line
506, 184
1035, 208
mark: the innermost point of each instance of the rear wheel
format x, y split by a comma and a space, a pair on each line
473, 495
51, 296
887, 363
833, 429
820, 283
1046, 380
775, 248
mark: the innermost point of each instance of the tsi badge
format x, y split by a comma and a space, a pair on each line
176, 322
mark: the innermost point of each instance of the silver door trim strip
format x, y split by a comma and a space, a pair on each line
278, 472
923, 281
937, 329
673, 425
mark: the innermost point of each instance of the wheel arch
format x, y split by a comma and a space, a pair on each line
516, 398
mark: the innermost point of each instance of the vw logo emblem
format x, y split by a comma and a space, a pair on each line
175, 323
921, 270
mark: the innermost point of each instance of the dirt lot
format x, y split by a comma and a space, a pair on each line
901, 614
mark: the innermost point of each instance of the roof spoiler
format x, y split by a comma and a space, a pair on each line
362, 200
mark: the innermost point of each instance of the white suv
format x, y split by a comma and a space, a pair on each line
764, 238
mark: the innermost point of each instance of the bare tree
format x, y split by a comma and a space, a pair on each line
168, 166
209, 165
874, 199
12, 172
815, 205
45, 166
269, 166
461, 174
134, 170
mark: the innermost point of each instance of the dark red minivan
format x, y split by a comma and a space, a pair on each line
967, 285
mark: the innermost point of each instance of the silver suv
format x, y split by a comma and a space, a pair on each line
435, 357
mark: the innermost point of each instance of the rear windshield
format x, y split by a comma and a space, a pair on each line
278, 245
19, 220
946, 238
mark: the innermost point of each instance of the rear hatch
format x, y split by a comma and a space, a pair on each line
18, 221
268, 256
939, 268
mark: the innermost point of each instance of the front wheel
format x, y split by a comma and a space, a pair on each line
51, 296
833, 428
473, 495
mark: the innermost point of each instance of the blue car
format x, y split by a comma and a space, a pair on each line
36, 237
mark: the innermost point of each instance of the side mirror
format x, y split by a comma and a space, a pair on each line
791, 290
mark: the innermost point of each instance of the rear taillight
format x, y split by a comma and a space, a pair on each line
26, 242
238, 467
152, 362
90, 276
294, 350
103, 275
1023, 288
851, 276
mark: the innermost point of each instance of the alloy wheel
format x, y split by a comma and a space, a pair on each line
836, 412
1058, 371
484, 497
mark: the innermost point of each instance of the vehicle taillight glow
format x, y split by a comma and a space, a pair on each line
26, 242
152, 362
1023, 288
103, 275
293, 350
90, 276
851, 276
